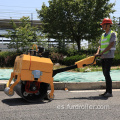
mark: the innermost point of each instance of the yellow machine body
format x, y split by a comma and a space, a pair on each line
26, 65
23, 71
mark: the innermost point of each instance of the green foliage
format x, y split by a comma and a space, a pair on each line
22, 35
94, 44
72, 59
116, 28
41, 40
53, 49
116, 60
74, 20
71, 52
7, 58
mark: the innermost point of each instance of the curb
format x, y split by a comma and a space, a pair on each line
84, 85
73, 86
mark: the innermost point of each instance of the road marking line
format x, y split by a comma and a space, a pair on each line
92, 90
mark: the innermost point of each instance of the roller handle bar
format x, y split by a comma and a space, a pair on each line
63, 69
70, 67
90, 63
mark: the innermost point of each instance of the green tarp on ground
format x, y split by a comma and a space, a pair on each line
5, 74
71, 76
85, 76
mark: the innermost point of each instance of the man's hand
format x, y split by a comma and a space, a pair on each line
97, 55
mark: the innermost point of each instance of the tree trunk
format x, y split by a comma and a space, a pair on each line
79, 45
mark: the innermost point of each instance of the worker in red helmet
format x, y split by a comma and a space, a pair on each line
106, 21
106, 51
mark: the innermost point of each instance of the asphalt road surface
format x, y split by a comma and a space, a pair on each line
67, 105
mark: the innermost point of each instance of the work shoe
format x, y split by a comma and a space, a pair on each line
102, 94
106, 94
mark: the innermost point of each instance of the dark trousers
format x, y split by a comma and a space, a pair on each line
106, 65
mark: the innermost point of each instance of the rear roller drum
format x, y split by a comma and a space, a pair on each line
31, 91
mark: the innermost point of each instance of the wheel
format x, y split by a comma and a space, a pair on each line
32, 91
47, 97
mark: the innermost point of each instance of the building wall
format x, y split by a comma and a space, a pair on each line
4, 47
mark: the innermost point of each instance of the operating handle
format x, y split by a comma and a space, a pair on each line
91, 63
78, 64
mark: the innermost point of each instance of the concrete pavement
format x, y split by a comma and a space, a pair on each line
80, 102
67, 105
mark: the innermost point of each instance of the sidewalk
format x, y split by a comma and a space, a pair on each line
73, 86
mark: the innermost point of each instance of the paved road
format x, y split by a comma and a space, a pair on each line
72, 105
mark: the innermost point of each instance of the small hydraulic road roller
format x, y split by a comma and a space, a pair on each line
32, 76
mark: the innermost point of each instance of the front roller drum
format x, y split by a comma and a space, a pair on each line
49, 96
8, 91
31, 91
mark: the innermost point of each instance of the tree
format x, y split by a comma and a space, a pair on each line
74, 20
42, 41
23, 35
116, 28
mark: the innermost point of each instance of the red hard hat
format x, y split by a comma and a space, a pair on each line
106, 20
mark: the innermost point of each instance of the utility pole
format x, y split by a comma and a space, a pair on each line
31, 19
119, 21
2, 43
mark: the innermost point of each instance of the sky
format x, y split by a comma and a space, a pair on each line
15, 9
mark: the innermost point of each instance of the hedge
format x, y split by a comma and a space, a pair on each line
72, 59
7, 58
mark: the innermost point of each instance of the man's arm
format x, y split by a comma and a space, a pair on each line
98, 50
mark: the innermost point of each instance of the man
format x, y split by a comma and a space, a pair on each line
106, 50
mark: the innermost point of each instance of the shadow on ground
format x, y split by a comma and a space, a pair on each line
20, 101
91, 98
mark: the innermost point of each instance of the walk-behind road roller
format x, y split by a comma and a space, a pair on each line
32, 76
